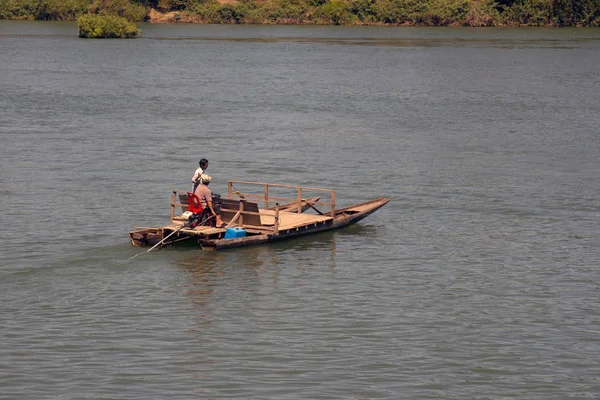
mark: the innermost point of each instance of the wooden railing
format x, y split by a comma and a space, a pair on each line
175, 203
300, 193
246, 213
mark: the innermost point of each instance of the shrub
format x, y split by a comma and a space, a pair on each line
285, 11
23, 9
400, 11
68, 10
334, 12
171, 5
106, 26
201, 9
233, 12
445, 12
255, 16
121, 8
364, 10
482, 14
215, 13
528, 13
576, 12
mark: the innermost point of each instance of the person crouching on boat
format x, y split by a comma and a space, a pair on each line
206, 201
196, 178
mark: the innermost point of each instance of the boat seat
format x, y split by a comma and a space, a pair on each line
194, 203
183, 201
201, 216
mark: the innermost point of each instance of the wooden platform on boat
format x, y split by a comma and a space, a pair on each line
287, 221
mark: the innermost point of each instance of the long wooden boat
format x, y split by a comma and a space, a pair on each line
240, 211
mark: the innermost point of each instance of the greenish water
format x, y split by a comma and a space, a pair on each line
478, 280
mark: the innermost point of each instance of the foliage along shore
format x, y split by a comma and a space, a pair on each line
476, 13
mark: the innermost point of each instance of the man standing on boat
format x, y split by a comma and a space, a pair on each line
198, 173
206, 201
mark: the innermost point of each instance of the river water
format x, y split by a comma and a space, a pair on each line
479, 280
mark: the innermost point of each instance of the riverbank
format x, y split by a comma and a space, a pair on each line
385, 13
471, 13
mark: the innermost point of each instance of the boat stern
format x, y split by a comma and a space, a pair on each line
146, 237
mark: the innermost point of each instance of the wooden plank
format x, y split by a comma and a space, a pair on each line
261, 230
234, 219
203, 230
293, 206
315, 208
290, 220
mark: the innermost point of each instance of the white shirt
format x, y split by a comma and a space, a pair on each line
196, 177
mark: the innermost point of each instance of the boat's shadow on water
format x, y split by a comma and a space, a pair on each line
189, 257
324, 245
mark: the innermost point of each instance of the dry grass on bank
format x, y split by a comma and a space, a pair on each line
157, 17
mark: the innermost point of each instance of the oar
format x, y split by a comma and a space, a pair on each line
161, 242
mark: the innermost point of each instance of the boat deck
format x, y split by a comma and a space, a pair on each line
287, 221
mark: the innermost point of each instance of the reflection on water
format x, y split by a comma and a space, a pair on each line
256, 266
410, 42
261, 265
359, 229
250, 267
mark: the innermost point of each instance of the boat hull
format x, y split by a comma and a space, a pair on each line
344, 217
146, 237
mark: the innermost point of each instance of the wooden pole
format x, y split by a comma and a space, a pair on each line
173, 198
333, 203
241, 223
266, 196
276, 223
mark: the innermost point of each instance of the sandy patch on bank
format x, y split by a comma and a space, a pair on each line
157, 17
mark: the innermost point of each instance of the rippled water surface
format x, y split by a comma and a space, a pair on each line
479, 280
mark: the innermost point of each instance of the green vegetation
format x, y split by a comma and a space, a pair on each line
106, 26
335, 12
131, 11
42, 9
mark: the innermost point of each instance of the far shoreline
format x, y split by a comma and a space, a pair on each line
384, 13
183, 17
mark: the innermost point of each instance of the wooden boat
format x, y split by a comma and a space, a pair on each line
253, 225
